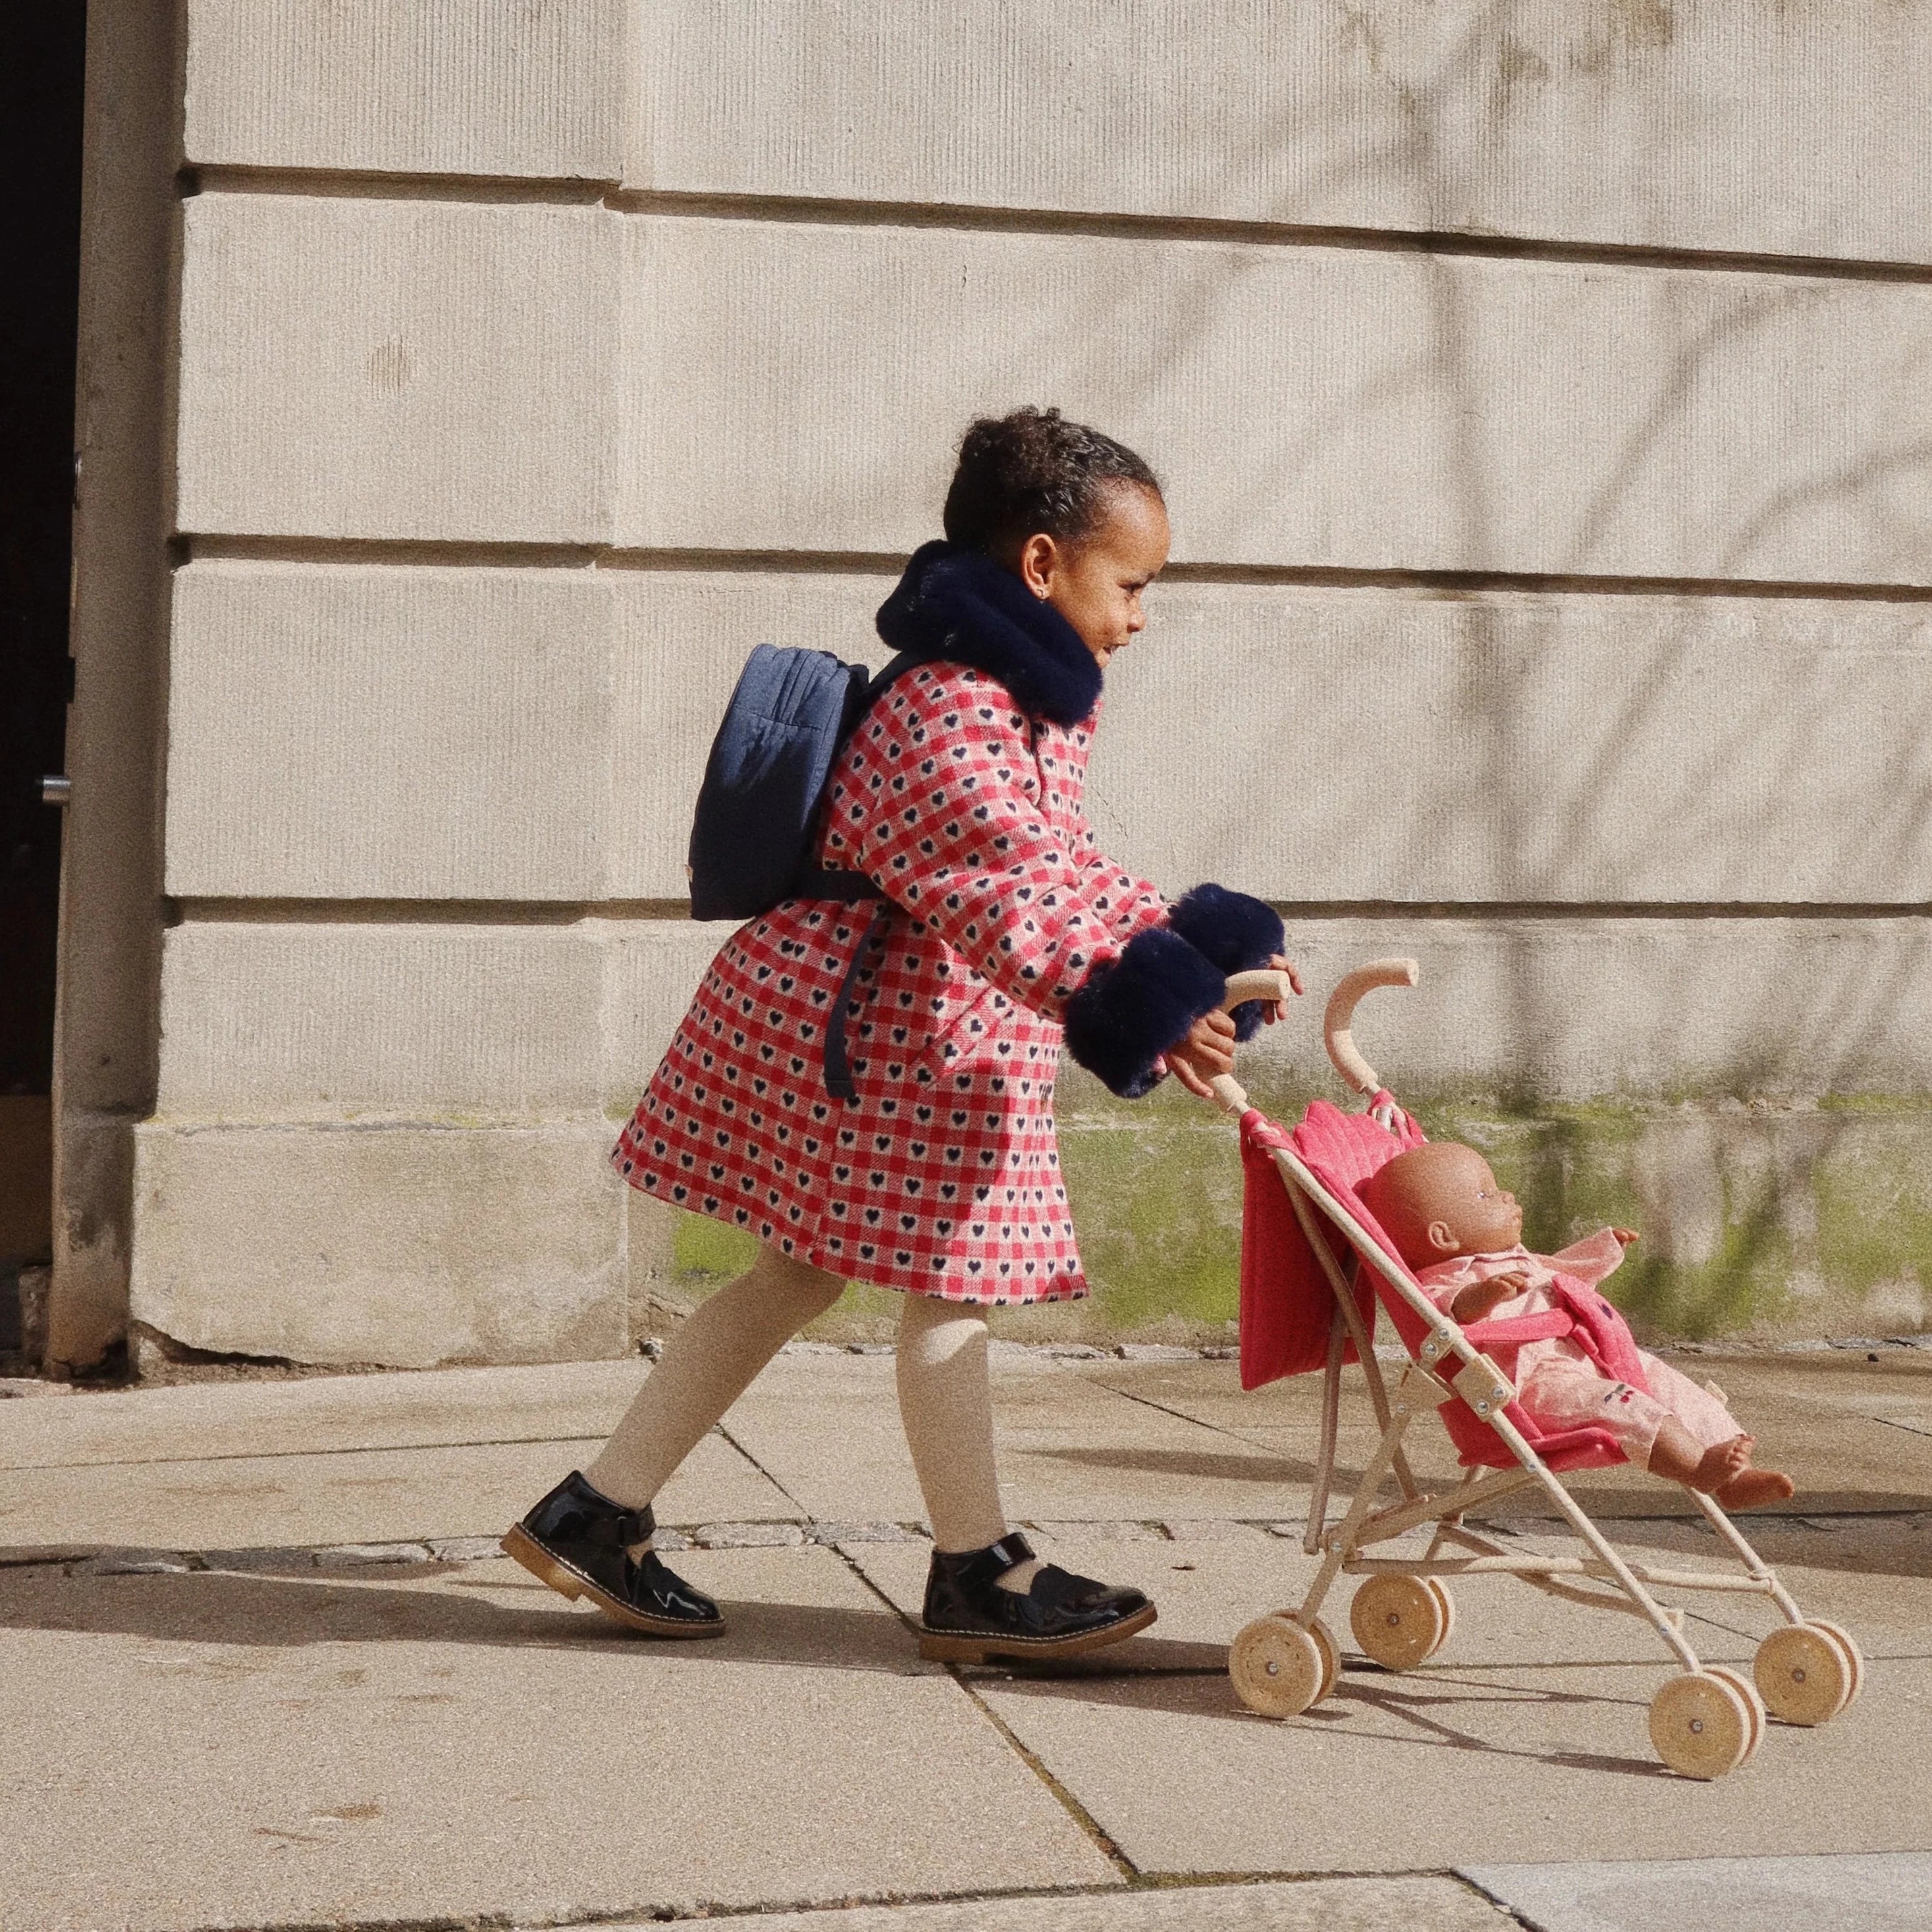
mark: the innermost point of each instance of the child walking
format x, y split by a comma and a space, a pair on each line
1004, 929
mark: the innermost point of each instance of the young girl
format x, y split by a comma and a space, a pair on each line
1005, 928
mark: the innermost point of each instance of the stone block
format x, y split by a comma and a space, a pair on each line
504, 88
409, 1245
652, 967
361, 731
1308, 744
463, 1023
370, 732
794, 386
1578, 1009
443, 1023
1783, 131
382, 368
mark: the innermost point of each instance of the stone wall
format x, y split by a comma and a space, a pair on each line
1541, 392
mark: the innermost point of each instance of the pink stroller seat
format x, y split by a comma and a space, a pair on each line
1286, 1302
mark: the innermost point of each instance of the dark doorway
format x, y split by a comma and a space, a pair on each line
41, 81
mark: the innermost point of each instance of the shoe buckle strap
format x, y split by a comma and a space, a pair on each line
633, 1526
1012, 1549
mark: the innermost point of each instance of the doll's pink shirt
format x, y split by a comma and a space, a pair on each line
1557, 1382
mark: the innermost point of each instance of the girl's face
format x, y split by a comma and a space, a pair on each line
1095, 582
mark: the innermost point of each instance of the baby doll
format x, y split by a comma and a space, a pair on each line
1461, 1233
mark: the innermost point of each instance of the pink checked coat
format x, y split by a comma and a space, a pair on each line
944, 1177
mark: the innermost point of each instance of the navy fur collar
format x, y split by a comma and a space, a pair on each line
960, 605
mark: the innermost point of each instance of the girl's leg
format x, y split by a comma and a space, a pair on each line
947, 1406
986, 1594
706, 1366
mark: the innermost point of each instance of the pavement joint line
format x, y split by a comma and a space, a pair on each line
1179, 1415
1101, 1840
809, 1532
701, 1910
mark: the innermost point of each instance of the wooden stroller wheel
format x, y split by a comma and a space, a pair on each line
1754, 1704
1841, 1636
1331, 1656
1804, 1674
1701, 1725
1398, 1621
1439, 1591
1278, 1668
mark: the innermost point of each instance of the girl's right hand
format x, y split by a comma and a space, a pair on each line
1207, 1048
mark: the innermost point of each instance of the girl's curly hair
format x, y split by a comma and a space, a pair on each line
1034, 471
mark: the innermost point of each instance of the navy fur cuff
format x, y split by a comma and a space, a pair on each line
1129, 1013
1237, 933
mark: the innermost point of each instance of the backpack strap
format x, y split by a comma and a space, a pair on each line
850, 887
840, 883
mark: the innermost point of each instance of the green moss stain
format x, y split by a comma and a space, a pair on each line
1758, 1221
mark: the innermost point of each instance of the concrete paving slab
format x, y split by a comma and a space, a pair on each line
200, 1421
354, 1496
1882, 1891
1418, 1771
1307, 1905
221, 1750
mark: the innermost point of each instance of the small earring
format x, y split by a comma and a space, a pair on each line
1039, 591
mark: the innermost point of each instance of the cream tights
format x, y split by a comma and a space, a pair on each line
944, 1401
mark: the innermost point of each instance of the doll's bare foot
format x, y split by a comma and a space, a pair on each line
1720, 1466
1752, 1489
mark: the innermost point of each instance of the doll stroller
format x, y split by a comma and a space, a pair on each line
1315, 1270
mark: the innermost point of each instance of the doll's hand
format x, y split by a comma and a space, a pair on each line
1277, 1009
1480, 1297
1207, 1048
1624, 1236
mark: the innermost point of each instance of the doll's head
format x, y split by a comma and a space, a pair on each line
1440, 1200
1076, 516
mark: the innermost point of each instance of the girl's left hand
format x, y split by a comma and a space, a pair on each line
1277, 1009
1207, 1048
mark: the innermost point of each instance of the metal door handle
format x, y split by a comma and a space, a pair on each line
55, 790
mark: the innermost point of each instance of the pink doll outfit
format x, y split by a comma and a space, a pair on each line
1631, 1394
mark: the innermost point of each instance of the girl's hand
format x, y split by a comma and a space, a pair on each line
1207, 1048
1277, 1009
1624, 1235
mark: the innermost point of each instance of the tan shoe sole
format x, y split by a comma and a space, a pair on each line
945, 1647
526, 1549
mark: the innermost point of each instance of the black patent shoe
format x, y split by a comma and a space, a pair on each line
968, 1618
578, 1542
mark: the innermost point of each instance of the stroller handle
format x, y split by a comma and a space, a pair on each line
1337, 1027
1264, 983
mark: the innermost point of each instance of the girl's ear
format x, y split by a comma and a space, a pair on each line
1038, 556
1442, 1237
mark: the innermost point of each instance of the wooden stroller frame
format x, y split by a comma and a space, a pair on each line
1705, 1722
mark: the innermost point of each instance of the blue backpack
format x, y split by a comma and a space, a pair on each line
758, 810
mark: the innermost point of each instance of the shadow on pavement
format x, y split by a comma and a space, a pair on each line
290, 1611
1420, 1709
